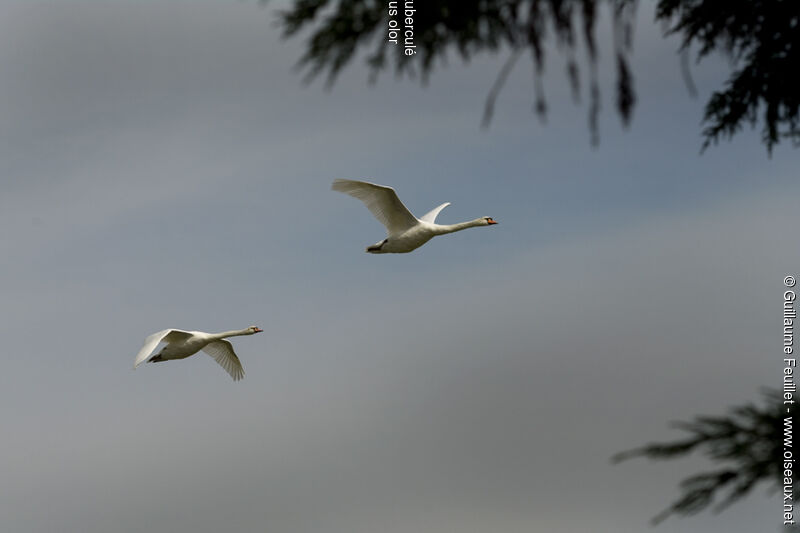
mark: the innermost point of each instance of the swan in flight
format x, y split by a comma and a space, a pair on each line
181, 344
405, 232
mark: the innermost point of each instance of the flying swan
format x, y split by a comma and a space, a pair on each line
405, 232
181, 344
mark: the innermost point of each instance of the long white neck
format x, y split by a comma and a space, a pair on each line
232, 333
441, 229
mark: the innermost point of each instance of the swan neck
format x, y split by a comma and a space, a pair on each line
450, 228
232, 333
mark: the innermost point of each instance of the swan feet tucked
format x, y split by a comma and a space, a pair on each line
405, 231
180, 344
376, 248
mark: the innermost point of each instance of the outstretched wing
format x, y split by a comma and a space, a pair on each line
382, 202
167, 335
222, 352
431, 215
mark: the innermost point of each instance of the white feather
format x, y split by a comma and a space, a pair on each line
431, 215
181, 344
404, 231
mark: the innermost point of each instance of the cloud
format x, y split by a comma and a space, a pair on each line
470, 401
167, 170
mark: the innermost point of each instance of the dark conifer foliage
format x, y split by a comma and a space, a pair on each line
745, 446
760, 38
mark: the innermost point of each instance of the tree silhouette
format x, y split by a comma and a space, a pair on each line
747, 444
761, 39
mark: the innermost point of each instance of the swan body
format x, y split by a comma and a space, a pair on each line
405, 232
181, 344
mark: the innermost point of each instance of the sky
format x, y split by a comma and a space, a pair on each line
164, 165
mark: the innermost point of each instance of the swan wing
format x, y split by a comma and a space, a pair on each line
431, 215
222, 352
166, 335
382, 202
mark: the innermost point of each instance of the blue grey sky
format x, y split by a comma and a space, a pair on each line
163, 165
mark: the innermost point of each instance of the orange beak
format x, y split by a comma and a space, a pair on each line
491, 221
259, 330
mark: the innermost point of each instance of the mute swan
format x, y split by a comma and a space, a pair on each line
405, 232
181, 344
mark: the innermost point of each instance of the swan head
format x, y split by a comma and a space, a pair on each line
254, 329
488, 221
